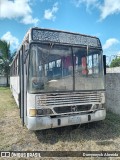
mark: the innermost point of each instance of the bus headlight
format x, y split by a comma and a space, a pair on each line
37, 112
97, 106
44, 111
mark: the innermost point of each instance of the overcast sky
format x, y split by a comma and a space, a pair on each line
99, 18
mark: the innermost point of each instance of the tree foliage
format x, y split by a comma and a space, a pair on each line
115, 62
5, 58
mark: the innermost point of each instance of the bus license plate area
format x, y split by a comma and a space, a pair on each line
73, 120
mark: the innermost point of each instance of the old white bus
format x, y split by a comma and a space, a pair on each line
57, 79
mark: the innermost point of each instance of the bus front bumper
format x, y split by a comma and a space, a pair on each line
40, 123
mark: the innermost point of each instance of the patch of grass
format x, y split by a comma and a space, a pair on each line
4, 88
97, 136
6, 100
114, 118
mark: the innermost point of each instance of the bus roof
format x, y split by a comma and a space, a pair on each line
58, 36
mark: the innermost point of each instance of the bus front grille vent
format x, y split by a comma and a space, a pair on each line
68, 99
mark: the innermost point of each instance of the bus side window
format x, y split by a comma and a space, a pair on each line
92, 64
95, 62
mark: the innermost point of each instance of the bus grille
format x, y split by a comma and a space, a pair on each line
67, 99
67, 109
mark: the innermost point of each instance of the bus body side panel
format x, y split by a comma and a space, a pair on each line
31, 104
14, 83
22, 86
25, 93
19, 69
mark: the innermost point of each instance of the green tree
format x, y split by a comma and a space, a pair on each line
5, 58
115, 62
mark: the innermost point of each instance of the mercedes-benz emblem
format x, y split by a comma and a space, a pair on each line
73, 108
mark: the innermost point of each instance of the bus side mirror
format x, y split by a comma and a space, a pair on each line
104, 64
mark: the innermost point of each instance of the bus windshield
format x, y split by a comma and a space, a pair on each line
54, 67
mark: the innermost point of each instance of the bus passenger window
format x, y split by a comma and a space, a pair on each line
84, 66
59, 63
92, 64
89, 64
76, 63
46, 69
67, 65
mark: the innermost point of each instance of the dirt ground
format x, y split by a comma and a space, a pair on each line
98, 136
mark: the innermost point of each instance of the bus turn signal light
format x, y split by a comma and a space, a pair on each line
32, 112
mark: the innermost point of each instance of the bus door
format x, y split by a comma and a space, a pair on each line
23, 87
